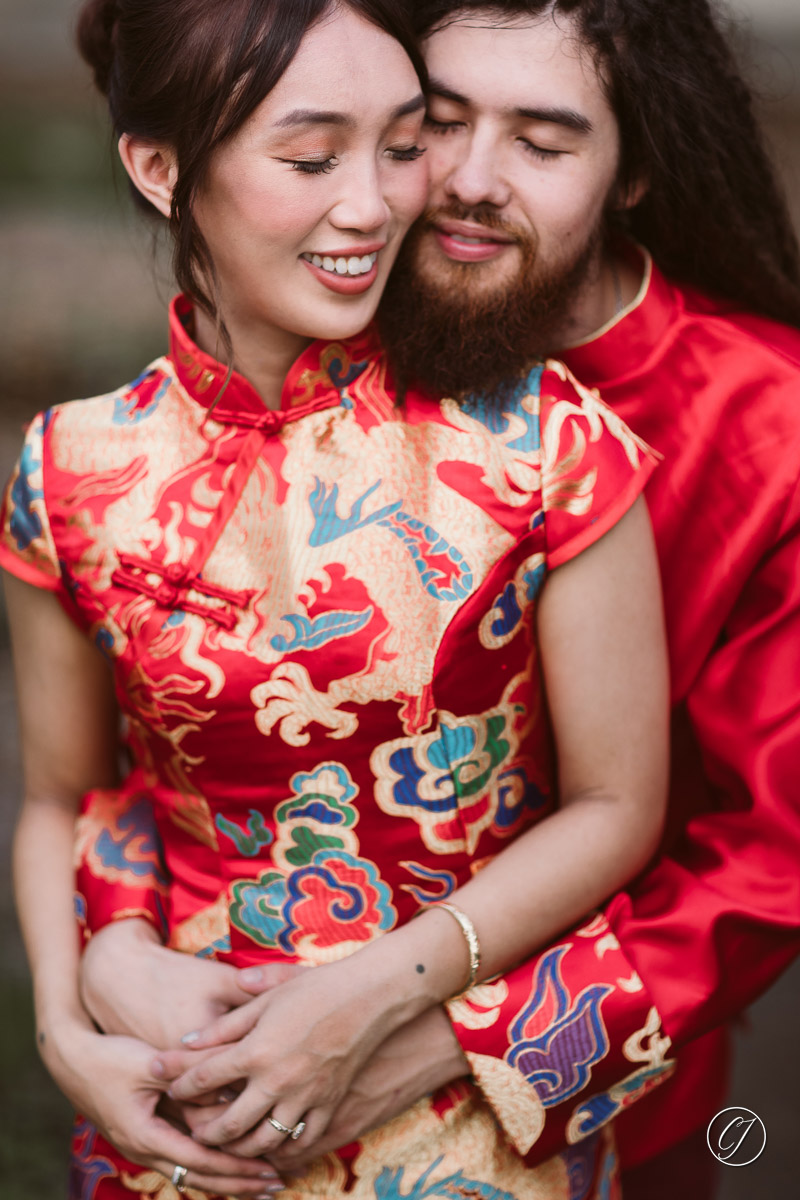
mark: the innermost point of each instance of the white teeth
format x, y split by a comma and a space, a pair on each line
353, 266
468, 241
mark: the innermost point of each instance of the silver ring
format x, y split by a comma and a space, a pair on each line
292, 1131
178, 1176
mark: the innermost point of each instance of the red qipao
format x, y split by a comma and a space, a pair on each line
320, 626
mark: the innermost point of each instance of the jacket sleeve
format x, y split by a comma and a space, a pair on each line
708, 928
119, 863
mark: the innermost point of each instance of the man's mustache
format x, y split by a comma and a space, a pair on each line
477, 215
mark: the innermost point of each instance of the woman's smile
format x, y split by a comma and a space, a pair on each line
347, 271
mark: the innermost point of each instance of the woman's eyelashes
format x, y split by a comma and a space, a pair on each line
441, 127
407, 154
311, 166
321, 166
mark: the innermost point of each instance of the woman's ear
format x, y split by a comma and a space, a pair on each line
152, 168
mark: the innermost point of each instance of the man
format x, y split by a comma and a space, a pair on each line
556, 127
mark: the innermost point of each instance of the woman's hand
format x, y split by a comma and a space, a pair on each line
108, 1079
416, 1060
297, 1047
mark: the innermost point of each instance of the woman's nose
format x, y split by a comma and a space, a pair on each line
364, 206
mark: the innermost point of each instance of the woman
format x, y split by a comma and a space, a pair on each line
318, 611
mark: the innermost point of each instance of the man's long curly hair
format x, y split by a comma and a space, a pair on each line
714, 215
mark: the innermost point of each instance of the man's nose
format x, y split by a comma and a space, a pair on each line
477, 178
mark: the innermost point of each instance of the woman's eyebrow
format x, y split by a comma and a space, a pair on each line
312, 116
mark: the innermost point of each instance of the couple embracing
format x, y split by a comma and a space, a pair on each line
360, 578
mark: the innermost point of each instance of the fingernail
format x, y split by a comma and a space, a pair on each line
188, 1038
157, 1069
251, 975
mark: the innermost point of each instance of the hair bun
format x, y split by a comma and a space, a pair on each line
95, 37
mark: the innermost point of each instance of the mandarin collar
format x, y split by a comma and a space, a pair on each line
623, 346
315, 380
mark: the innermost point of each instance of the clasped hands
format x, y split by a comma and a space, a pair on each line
294, 1044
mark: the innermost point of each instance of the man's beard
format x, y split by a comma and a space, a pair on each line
457, 339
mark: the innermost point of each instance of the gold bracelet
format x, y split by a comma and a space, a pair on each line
470, 936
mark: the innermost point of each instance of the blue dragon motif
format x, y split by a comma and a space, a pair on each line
329, 526
311, 634
446, 580
388, 1186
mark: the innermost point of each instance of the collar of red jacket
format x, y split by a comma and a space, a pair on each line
317, 379
627, 341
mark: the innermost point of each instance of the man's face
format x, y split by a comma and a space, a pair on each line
523, 151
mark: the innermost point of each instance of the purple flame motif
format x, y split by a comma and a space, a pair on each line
557, 1039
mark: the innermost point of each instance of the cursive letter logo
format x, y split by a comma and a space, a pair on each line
736, 1136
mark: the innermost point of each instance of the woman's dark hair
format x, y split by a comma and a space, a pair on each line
189, 73
714, 216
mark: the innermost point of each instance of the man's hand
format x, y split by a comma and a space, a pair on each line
108, 1080
132, 984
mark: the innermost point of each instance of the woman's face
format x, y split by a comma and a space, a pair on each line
304, 209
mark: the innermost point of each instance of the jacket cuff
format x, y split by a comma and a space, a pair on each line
119, 866
564, 1042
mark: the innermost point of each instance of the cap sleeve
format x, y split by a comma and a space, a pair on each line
27, 549
593, 465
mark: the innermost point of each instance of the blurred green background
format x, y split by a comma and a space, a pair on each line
82, 304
